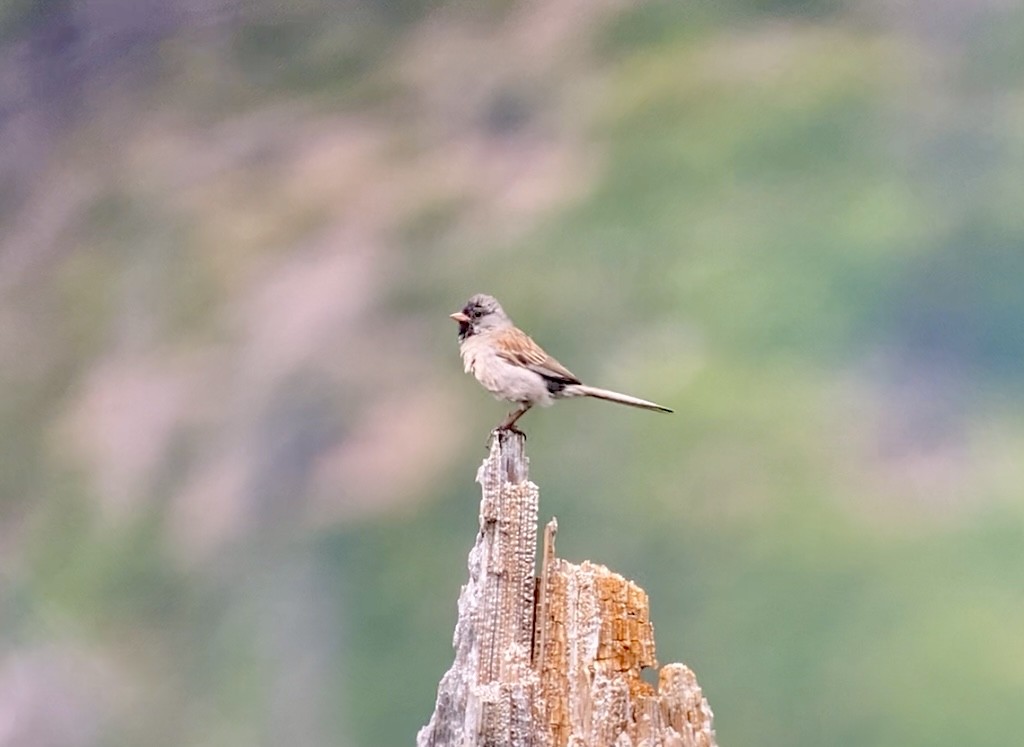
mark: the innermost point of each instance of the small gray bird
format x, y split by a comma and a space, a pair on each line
514, 368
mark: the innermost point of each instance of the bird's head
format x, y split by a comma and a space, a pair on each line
480, 314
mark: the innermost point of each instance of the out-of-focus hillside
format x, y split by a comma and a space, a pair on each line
236, 488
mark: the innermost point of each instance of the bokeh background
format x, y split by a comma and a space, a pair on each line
238, 447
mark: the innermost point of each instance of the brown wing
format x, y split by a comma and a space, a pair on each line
516, 346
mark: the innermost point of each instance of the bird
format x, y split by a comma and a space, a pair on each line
512, 367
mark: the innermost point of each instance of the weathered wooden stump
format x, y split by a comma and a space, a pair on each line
554, 660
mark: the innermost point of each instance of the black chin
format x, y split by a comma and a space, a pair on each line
465, 330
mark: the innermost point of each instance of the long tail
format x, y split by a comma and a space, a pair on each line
582, 390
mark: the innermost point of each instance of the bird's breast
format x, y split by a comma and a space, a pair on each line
477, 357
480, 359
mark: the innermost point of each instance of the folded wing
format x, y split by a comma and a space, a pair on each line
516, 347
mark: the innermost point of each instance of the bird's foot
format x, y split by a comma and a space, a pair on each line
510, 429
500, 431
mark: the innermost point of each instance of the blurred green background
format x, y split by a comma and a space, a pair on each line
237, 492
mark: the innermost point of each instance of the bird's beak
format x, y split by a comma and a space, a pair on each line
459, 317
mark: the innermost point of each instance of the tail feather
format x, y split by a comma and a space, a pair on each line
582, 390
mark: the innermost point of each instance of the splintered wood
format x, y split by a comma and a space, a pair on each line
491, 694
553, 661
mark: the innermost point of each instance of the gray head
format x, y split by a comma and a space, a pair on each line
480, 314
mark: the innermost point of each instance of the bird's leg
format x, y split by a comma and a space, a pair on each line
509, 423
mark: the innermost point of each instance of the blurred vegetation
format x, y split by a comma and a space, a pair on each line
233, 234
